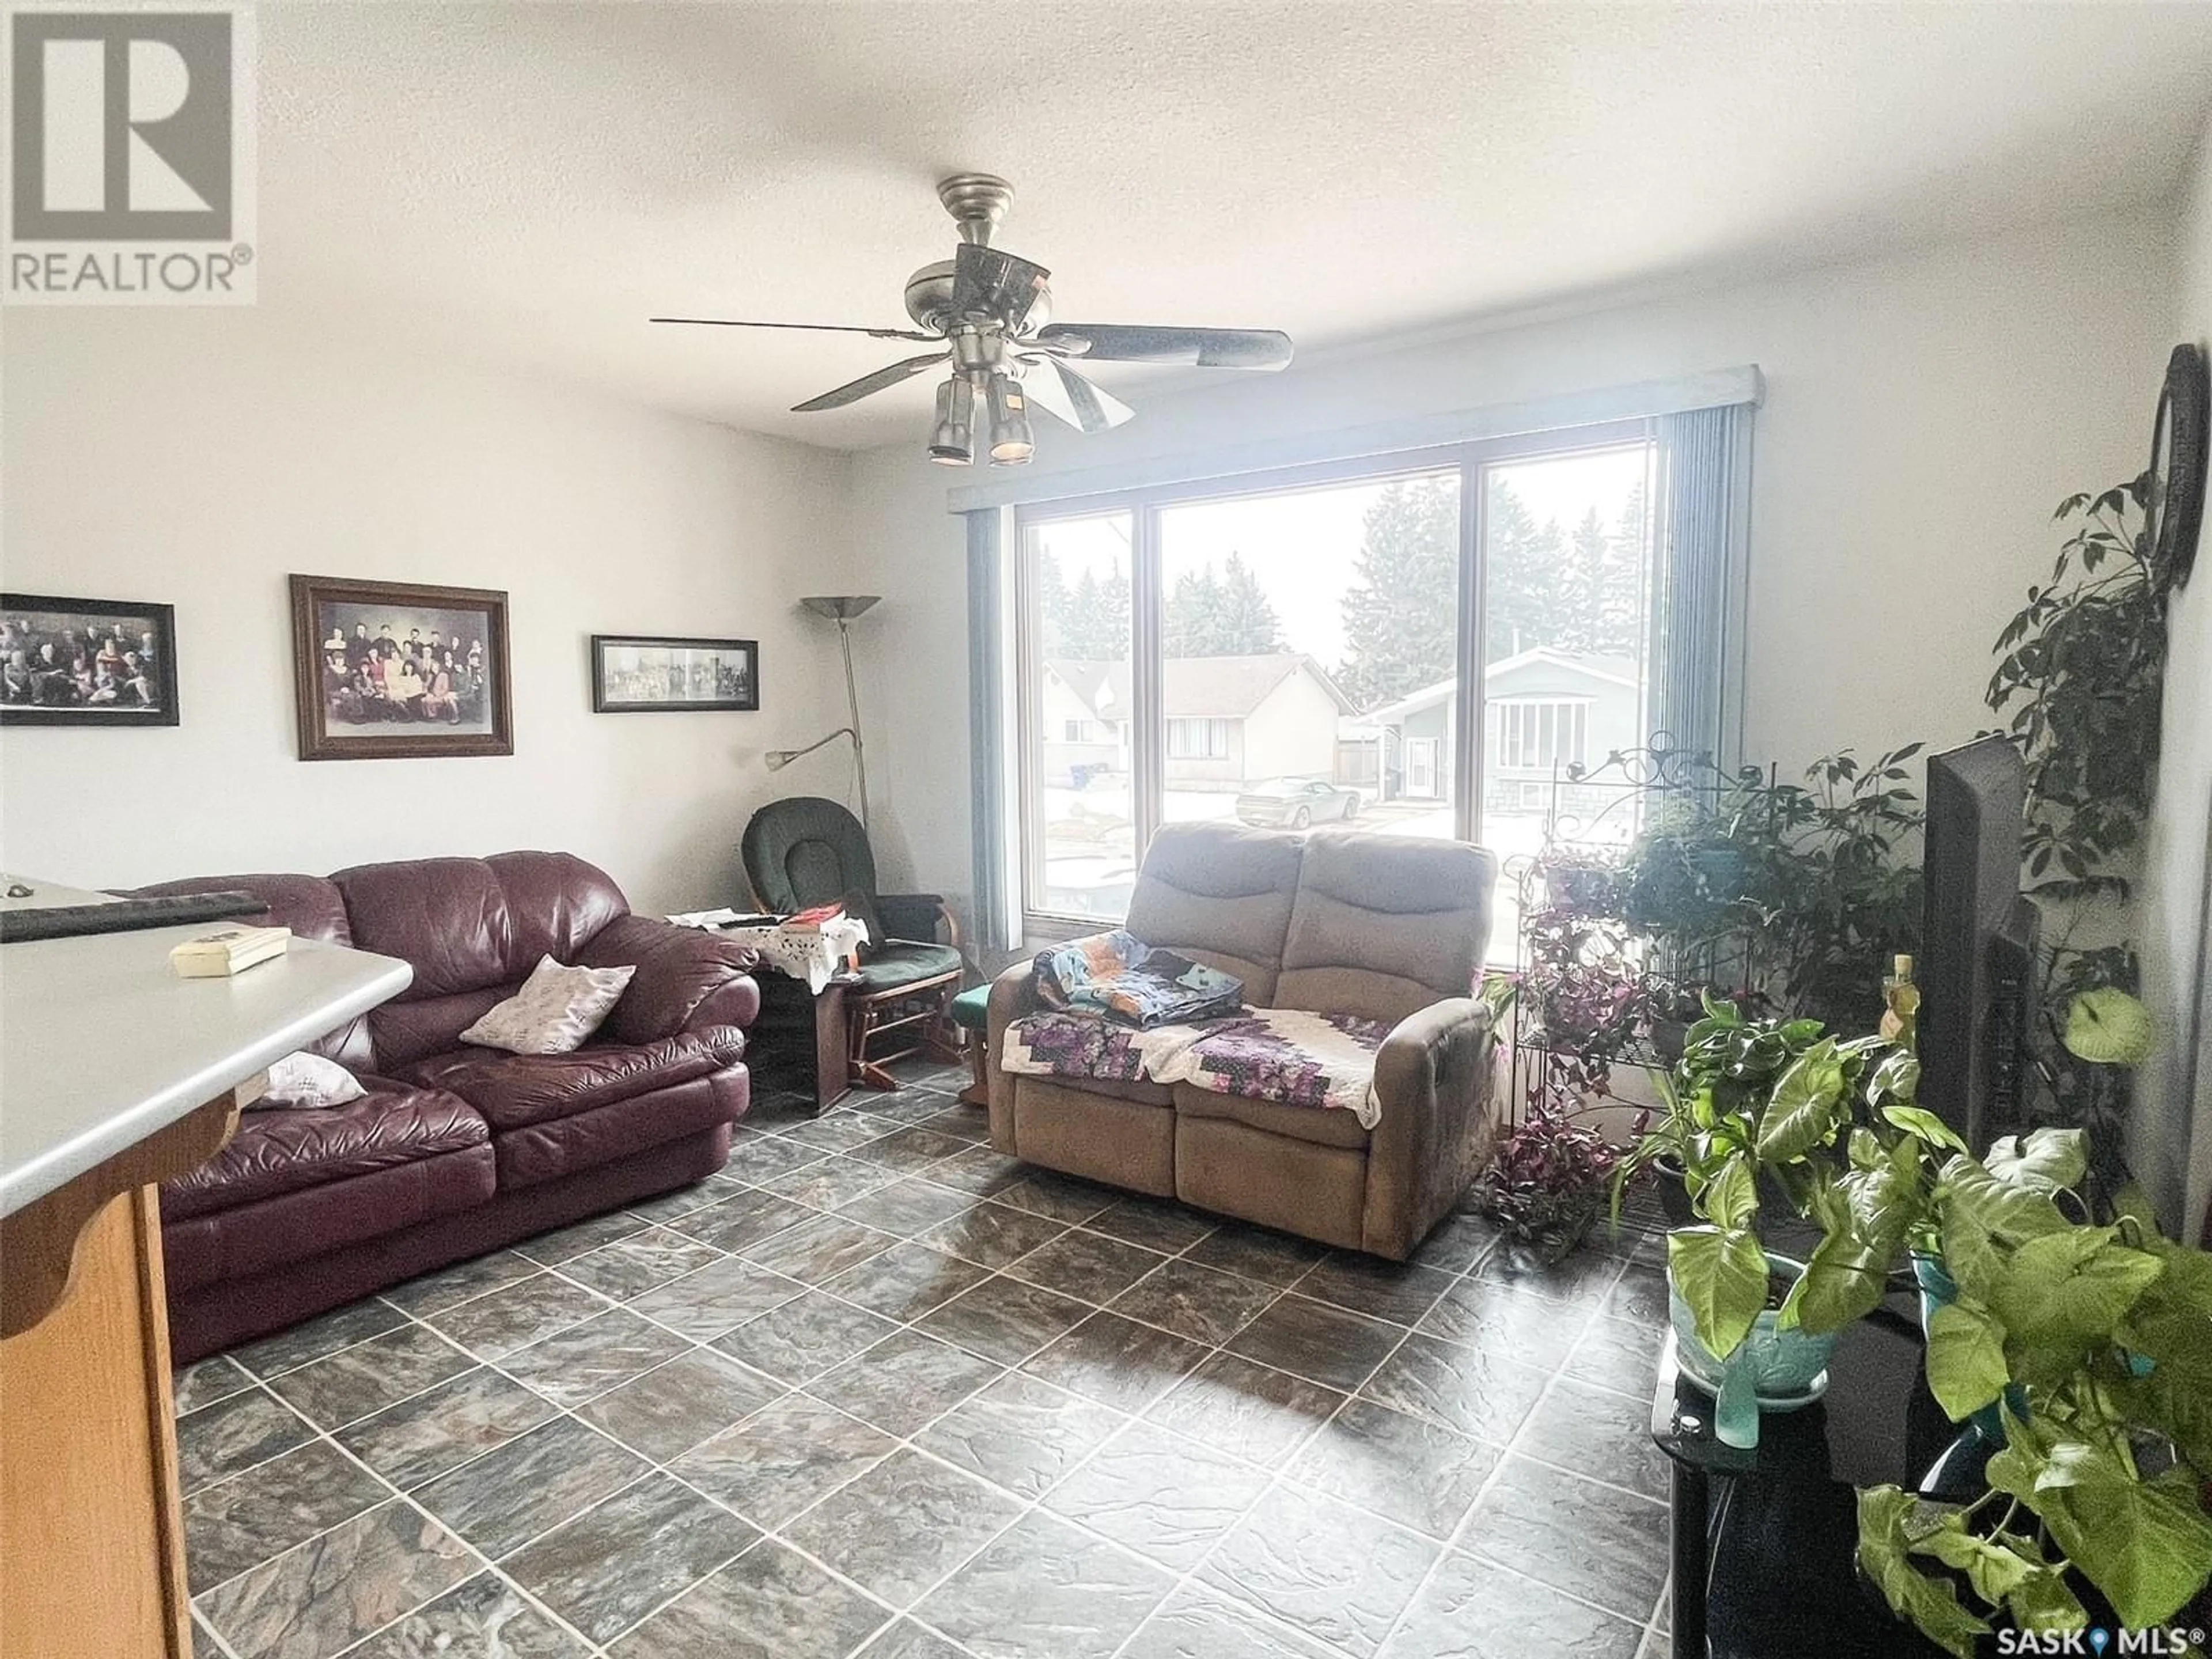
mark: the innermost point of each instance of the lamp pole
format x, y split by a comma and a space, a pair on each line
852, 702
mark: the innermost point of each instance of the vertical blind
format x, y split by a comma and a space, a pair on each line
1702, 523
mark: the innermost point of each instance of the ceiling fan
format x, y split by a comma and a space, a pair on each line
988, 313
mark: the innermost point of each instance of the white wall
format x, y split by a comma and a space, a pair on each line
1924, 417
2172, 913
197, 457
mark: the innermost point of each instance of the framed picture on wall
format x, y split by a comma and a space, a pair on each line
87, 662
398, 670
649, 674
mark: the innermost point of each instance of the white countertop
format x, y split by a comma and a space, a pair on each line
102, 1044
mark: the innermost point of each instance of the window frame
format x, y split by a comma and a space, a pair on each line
1465, 763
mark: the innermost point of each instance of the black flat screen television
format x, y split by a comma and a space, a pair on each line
1977, 966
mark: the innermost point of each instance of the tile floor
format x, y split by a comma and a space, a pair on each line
877, 1390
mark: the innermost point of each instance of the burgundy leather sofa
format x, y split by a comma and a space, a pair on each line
457, 1150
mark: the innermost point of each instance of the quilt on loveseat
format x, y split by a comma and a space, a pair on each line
1287, 1055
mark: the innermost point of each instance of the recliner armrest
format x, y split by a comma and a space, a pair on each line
915, 917
1012, 995
1433, 1080
686, 979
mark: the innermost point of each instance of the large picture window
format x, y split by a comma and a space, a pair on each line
1422, 645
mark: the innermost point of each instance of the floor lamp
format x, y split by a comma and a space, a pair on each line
840, 608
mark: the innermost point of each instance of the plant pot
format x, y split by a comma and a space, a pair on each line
1772, 1370
1669, 1038
1721, 871
1939, 1290
1674, 1193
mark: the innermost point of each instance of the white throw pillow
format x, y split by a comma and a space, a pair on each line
553, 1012
305, 1079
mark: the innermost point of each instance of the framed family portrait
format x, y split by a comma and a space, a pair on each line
397, 671
646, 674
87, 662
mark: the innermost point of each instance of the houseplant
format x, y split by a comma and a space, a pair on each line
2094, 1346
1756, 1113
1546, 1181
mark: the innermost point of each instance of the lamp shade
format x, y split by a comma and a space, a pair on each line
840, 606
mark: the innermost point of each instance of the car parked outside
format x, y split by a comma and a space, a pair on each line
1294, 803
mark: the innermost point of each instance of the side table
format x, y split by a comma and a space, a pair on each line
1764, 1540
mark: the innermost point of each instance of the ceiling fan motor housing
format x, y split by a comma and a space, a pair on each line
929, 299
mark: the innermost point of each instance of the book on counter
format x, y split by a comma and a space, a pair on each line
228, 950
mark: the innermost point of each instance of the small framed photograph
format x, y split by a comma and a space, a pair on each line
87, 662
399, 671
634, 674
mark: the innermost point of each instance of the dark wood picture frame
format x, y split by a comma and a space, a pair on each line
16, 607
410, 738
748, 702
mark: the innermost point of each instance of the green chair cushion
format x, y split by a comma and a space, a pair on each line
971, 1010
902, 962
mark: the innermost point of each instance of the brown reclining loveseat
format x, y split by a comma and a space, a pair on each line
1383, 927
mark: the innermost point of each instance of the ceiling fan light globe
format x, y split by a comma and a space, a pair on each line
953, 441
1012, 442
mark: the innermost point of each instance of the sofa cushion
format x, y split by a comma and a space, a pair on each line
468, 924
681, 972
283, 1151
620, 1129
1221, 894
904, 962
313, 1223
1322, 1125
1385, 925
407, 1031
515, 1092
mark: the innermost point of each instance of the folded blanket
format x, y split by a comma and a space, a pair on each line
1292, 1057
1287, 1055
1119, 977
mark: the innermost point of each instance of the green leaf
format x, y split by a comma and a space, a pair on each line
1969, 1257
2041, 1601
1965, 1361
2108, 1027
1721, 1276
1806, 1107
1919, 1121
1843, 1281
2065, 1294
1896, 1076
1995, 1571
2004, 1211
2146, 1545
1890, 1522
2051, 1159
1730, 1198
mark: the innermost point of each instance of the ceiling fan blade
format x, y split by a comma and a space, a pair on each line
818, 328
991, 283
1067, 396
1195, 347
852, 391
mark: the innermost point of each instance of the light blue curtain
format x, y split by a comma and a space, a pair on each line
1699, 587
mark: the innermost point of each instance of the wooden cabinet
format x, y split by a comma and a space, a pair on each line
91, 1524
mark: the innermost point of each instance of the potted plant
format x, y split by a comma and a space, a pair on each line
1546, 1182
1727, 1066
1757, 1110
2092, 1345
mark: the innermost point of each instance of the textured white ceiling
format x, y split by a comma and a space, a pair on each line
528, 182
